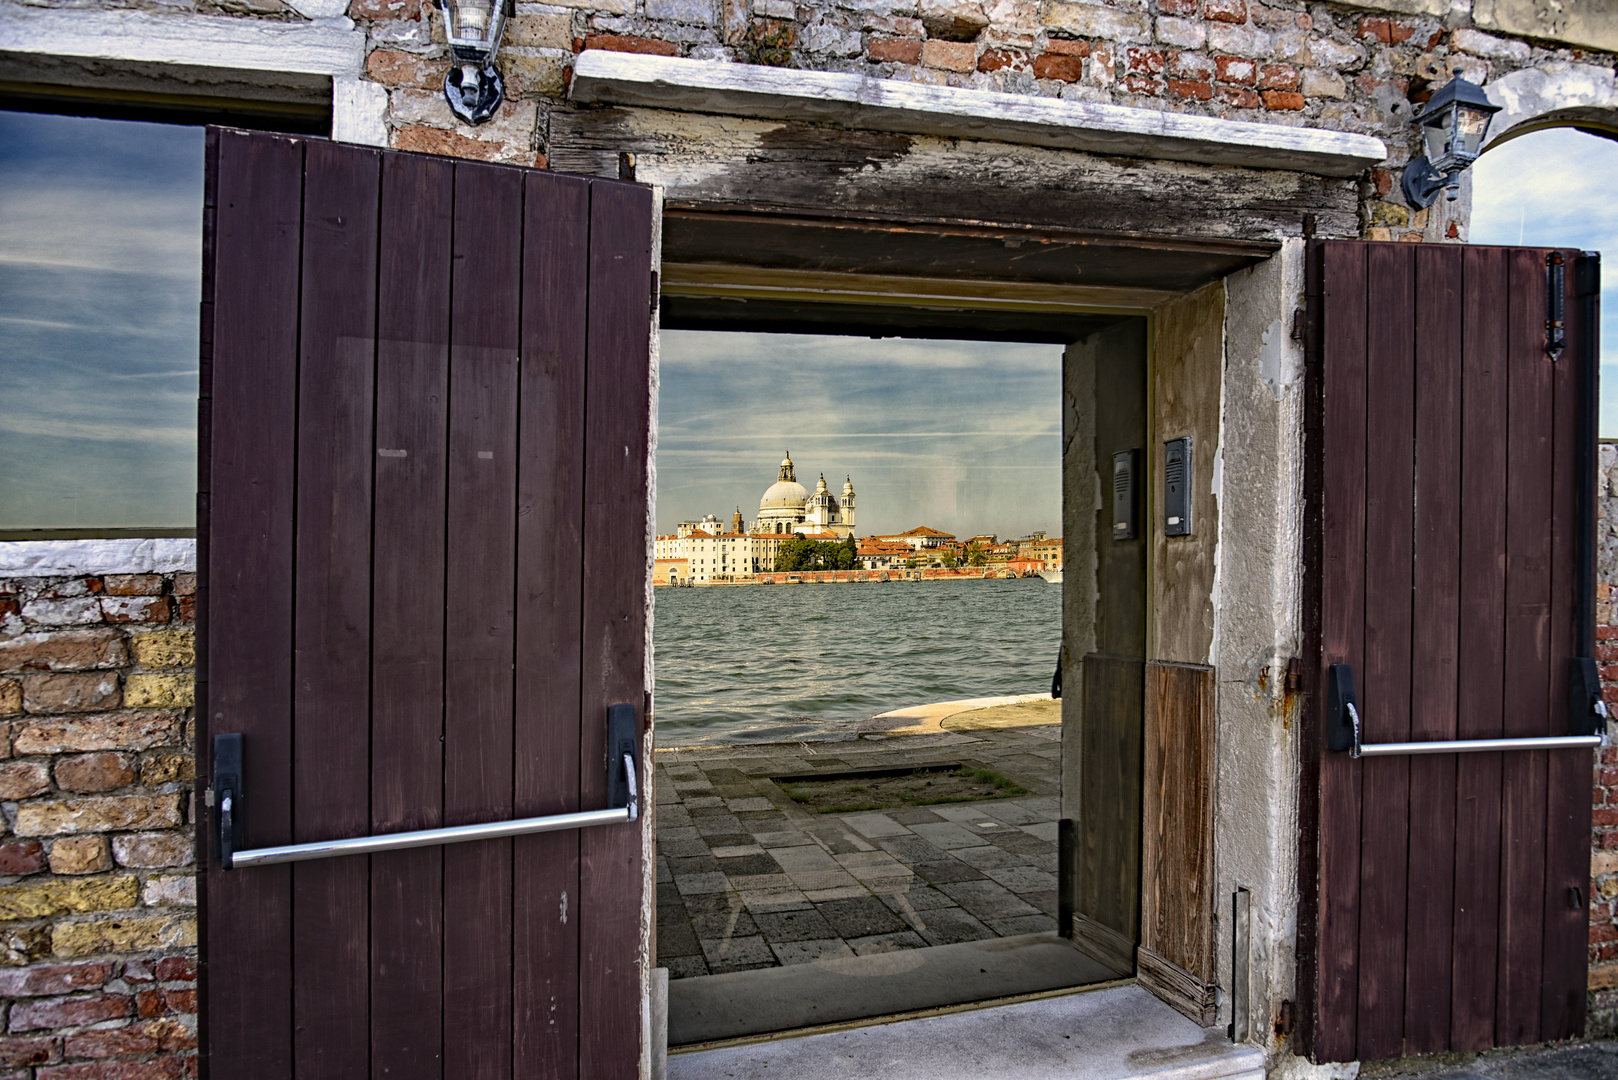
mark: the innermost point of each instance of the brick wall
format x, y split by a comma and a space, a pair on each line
97, 888
1604, 841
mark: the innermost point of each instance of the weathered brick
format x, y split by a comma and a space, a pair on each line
137, 609
149, 689
75, 611
105, 813
172, 1067
123, 935
1011, 60
118, 1042
1177, 7
950, 55
1225, 11
94, 772
1182, 33
24, 944
1318, 83
165, 891
130, 731
29, 1051
154, 1003
177, 969
1387, 31
57, 896
26, 858
166, 769
185, 584
22, 779
151, 851
1236, 69
88, 691
80, 855
391, 67
385, 9
10, 697
1142, 84
1146, 61
1239, 97
1093, 21
69, 1012
1282, 100
1190, 65
1277, 77
952, 20
630, 44
886, 50
426, 140
1057, 66
549, 31
1190, 88
187, 606
63, 650
53, 979
132, 584
1067, 47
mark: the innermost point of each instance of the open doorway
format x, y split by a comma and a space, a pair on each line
866, 791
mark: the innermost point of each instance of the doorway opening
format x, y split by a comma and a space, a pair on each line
866, 791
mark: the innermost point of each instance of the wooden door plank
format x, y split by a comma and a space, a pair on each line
479, 590
1384, 679
1569, 772
1435, 645
1527, 668
1480, 683
617, 415
549, 615
407, 660
248, 935
332, 601
1342, 625
1109, 875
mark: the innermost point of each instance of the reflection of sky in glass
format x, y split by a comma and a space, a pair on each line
964, 436
100, 276
1551, 189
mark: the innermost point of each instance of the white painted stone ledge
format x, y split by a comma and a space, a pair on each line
716, 86
67, 558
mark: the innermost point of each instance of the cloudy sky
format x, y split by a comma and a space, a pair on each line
100, 275
964, 436
1555, 189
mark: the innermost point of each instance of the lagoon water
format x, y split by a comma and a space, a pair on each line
776, 663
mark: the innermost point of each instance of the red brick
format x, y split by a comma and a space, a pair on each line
426, 140
133, 584
185, 584
188, 607
115, 1043
69, 1012
63, 650
626, 43
26, 858
1067, 47
1239, 98
1146, 61
140, 971
152, 1003
1234, 69
894, 51
1228, 11
1140, 84
1603, 932
1387, 31
1278, 77
1188, 88
1382, 181
1607, 650
1056, 66
1282, 100
35, 1051
1605, 817
177, 969
1004, 59
1177, 7
164, 1068
1607, 633
53, 979
390, 67
133, 609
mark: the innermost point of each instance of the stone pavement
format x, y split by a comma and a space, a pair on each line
746, 878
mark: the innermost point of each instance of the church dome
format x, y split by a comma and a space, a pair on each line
784, 495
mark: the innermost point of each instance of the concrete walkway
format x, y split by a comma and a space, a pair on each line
1119, 1033
749, 879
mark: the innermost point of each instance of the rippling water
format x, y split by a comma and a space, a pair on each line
767, 663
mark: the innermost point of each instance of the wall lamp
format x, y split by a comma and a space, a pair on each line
473, 87
1453, 125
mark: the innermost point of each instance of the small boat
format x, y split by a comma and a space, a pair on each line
1052, 576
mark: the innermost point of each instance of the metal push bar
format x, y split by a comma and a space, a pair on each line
622, 797
1343, 727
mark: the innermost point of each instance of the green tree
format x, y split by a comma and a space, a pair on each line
976, 556
949, 558
795, 553
847, 554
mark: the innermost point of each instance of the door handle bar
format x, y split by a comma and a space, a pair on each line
1344, 733
623, 805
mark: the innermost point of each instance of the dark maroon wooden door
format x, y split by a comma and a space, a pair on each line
422, 521
1443, 895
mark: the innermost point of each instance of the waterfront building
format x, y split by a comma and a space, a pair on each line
921, 538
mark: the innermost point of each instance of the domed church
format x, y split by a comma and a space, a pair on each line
788, 508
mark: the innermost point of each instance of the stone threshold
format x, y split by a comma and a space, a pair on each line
1115, 1033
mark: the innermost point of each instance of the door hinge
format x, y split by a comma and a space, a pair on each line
655, 293
1555, 301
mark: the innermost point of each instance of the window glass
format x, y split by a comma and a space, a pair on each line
100, 277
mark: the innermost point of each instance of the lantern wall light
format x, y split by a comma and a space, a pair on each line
1453, 126
473, 87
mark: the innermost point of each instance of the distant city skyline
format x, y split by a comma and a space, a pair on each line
962, 436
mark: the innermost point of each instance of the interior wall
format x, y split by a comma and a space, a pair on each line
1104, 641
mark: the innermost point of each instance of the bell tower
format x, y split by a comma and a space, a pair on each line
847, 503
